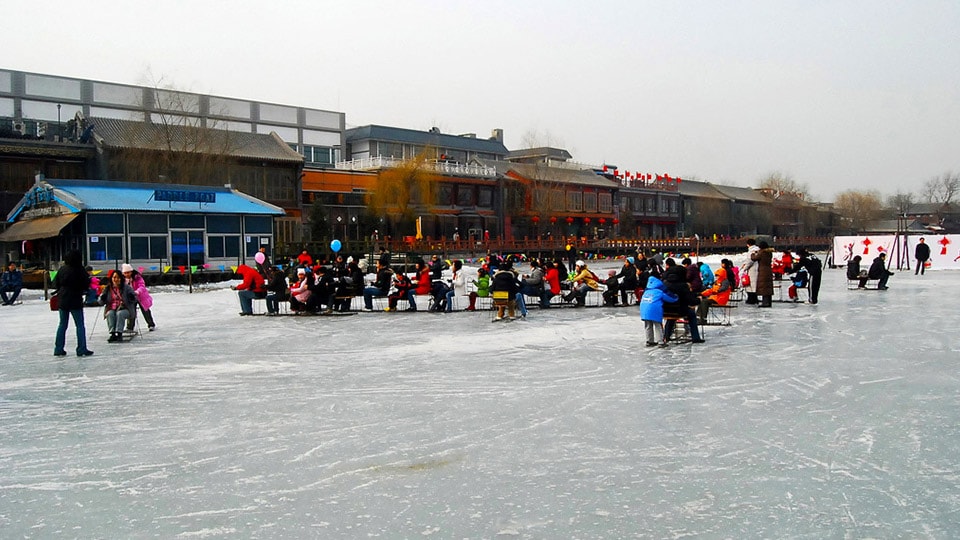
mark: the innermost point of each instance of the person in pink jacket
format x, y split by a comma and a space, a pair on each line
135, 280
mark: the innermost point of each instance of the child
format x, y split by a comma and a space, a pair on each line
403, 286
799, 280
483, 288
651, 310
94, 291
613, 287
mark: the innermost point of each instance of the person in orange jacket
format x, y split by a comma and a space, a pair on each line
717, 295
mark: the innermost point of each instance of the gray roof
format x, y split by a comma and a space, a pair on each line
128, 134
426, 138
540, 152
558, 175
740, 194
703, 190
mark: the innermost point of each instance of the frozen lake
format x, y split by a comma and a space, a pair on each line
836, 420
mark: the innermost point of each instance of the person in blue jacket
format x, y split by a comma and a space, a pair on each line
651, 310
11, 282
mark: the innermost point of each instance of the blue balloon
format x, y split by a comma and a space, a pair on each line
335, 246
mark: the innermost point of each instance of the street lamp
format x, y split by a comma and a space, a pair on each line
59, 131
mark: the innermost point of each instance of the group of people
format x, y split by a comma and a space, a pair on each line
878, 271
122, 294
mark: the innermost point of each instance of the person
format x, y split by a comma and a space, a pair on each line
350, 285
693, 275
120, 305
379, 288
613, 289
438, 287
651, 311
551, 284
459, 285
878, 270
748, 272
276, 285
403, 289
814, 268
304, 259
763, 257
855, 273
584, 281
706, 275
93, 292
628, 281
483, 288
675, 282
265, 263
798, 280
11, 282
505, 281
718, 295
301, 291
71, 284
456, 235
324, 291
251, 286
530, 285
783, 265
922, 254
139, 286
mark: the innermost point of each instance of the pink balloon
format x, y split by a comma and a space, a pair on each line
259, 257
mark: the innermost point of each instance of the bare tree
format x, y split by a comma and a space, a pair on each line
777, 183
859, 207
900, 203
941, 189
400, 191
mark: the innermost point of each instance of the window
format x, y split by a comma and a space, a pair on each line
575, 201
186, 221
147, 223
625, 204
105, 248
485, 197
258, 224
651, 205
674, 206
664, 206
444, 195
226, 246
589, 202
465, 195
394, 150
148, 247
557, 200
104, 223
223, 224
605, 202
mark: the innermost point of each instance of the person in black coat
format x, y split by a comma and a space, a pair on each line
922, 253
71, 285
505, 280
675, 281
878, 270
628, 281
814, 268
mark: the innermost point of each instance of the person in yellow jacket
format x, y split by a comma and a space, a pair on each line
584, 281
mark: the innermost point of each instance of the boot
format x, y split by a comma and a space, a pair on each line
766, 301
114, 337
751, 298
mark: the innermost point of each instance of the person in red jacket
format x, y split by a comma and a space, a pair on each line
251, 287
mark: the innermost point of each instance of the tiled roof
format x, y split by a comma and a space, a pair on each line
551, 174
740, 194
702, 190
127, 134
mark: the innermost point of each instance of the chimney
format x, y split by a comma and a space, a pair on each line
497, 135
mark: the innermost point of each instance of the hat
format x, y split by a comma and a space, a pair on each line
301, 270
350, 259
580, 263
126, 268
630, 260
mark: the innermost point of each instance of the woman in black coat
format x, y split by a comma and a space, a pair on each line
71, 285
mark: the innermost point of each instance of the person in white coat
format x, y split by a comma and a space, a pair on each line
750, 269
459, 282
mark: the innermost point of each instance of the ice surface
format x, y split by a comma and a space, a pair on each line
828, 421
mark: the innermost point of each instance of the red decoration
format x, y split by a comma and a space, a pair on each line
866, 246
569, 220
603, 220
535, 219
616, 221
553, 219
586, 220
943, 242
604, 168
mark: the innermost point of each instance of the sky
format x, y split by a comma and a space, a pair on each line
839, 95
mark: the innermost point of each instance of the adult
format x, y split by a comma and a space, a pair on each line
551, 284
11, 282
693, 275
252, 286
749, 269
718, 295
379, 288
628, 281
71, 284
304, 259
584, 281
276, 285
458, 284
706, 275
814, 269
763, 257
675, 282
922, 254
505, 281
530, 285
878, 270
139, 286
120, 305
854, 272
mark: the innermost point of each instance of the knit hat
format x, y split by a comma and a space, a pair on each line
126, 268
630, 260
580, 263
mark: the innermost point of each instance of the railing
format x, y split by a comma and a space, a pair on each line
465, 169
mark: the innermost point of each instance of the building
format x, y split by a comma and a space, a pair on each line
158, 227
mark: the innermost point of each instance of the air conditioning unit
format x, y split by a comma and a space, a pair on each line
19, 126
41, 129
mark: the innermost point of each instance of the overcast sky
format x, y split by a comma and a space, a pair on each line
836, 94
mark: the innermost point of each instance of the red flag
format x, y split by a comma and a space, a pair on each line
604, 168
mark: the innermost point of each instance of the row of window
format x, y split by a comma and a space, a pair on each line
171, 248
106, 223
649, 205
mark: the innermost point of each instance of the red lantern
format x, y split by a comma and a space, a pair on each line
535, 219
553, 219
586, 220
603, 220
569, 220
616, 221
